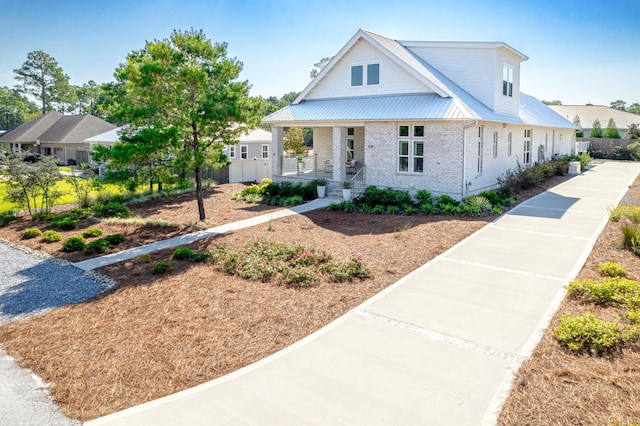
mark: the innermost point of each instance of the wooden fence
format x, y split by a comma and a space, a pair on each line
608, 148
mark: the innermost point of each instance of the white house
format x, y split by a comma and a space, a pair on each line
448, 117
250, 159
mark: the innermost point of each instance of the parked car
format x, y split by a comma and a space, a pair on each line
31, 158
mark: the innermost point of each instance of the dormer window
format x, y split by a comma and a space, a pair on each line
507, 80
361, 73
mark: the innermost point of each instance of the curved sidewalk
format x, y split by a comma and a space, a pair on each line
438, 347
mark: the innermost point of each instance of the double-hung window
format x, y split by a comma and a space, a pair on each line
495, 144
411, 149
507, 80
232, 151
265, 151
244, 151
526, 157
480, 150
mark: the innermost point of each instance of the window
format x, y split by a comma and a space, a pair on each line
360, 74
350, 149
495, 144
356, 75
373, 74
509, 144
232, 151
265, 151
526, 157
480, 151
411, 149
350, 131
244, 152
507, 80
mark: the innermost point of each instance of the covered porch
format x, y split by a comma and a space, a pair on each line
337, 156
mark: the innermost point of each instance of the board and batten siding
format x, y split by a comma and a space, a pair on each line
394, 79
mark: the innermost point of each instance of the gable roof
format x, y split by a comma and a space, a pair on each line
450, 101
590, 113
32, 129
55, 127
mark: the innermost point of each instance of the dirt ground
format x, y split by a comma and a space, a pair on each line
153, 335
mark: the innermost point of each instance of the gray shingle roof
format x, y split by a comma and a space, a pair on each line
57, 128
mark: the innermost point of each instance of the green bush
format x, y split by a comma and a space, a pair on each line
64, 224
51, 237
31, 233
92, 233
114, 239
161, 267
625, 211
299, 277
111, 209
634, 150
7, 217
393, 210
631, 237
143, 258
617, 291
477, 205
183, 253
73, 244
609, 269
98, 246
423, 196
44, 216
580, 333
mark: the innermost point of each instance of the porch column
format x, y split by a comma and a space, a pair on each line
339, 154
277, 150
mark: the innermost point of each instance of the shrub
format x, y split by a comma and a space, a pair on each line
7, 217
73, 244
446, 199
44, 216
587, 333
51, 237
161, 267
427, 208
423, 196
143, 258
393, 210
98, 246
64, 224
111, 209
625, 211
634, 150
183, 253
609, 269
378, 209
31, 233
409, 210
631, 236
114, 239
609, 291
476, 205
92, 233
303, 276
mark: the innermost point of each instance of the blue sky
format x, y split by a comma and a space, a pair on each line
579, 51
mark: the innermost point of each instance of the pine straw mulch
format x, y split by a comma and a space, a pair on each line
179, 211
555, 387
154, 335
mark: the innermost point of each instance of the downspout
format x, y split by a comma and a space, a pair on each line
464, 157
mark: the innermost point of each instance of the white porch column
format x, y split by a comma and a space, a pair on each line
339, 153
277, 150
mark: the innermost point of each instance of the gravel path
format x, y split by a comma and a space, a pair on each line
30, 284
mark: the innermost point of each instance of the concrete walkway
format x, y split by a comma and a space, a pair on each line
90, 264
439, 347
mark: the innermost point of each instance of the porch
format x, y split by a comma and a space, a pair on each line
304, 169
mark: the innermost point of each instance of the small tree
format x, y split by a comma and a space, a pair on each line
294, 141
32, 186
633, 132
611, 131
576, 121
82, 186
596, 130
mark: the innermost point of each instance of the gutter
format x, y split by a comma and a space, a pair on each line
464, 157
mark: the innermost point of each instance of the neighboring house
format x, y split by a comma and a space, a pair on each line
250, 158
62, 136
588, 114
448, 117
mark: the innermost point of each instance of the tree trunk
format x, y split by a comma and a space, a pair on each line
199, 195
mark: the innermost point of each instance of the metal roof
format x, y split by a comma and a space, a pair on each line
374, 108
590, 113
